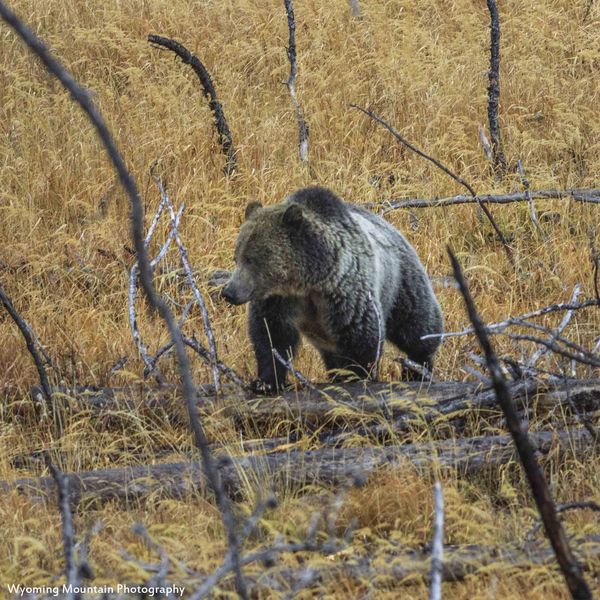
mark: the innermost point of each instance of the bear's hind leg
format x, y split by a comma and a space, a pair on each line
405, 331
271, 326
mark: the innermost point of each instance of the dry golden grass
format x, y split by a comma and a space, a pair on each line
66, 241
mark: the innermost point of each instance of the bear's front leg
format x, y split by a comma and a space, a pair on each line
358, 345
271, 326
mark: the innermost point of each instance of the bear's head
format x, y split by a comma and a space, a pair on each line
281, 250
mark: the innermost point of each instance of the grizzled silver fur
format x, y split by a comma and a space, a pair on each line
343, 277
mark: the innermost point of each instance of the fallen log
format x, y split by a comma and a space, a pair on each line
396, 568
407, 567
294, 469
400, 404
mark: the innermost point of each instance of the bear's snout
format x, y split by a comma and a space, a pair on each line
239, 289
230, 295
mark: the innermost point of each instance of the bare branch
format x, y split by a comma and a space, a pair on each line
587, 195
437, 550
410, 365
520, 320
291, 82
290, 367
191, 282
232, 375
208, 89
445, 169
494, 89
71, 569
561, 327
29, 338
582, 355
527, 453
561, 508
137, 338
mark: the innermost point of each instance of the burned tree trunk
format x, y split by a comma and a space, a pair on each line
494, 90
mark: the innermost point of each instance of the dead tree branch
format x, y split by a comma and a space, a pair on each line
29, 338
527, 453
84, 99
208, 89
71, 569
587, 195
133, 277
494, 89
561, 327
520, 320
445, 169
290, 367
561, 508
191, 282
195, 345
291, 82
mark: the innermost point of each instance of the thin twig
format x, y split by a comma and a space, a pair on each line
494, 89
291, 82
561, 508
535, 475
28, 336
83, 98
437, 550
411, 365
208, 89
445, 169
290, 367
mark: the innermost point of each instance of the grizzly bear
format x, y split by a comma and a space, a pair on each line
341, 276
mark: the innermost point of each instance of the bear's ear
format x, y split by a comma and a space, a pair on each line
293, 217
251, 209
